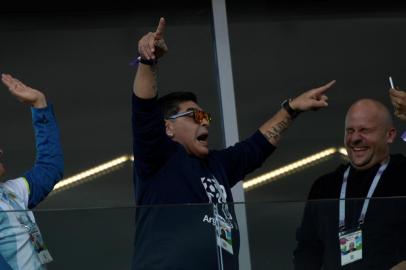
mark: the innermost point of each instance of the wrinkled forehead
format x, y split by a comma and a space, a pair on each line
186, 105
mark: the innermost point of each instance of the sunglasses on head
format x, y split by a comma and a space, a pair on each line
196, 114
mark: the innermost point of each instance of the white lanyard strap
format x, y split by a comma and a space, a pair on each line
366, 201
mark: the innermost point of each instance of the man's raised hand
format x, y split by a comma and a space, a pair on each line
152, 45
24, 93
312, 99
398, 100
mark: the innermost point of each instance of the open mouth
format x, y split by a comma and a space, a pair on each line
358, 149
203, 138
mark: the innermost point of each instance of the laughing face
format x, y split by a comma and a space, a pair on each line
188, 132
368, 133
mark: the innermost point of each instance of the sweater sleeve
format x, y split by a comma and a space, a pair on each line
151, 146
245, 156
48, 167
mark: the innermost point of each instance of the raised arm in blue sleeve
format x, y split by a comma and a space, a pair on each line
48, 167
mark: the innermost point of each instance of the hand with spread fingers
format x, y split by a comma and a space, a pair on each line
311, 100
152, 45
398, 100
23, 92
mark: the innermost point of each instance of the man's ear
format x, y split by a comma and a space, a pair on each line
391, 135
169, 128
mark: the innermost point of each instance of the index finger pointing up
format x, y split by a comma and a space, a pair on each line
160, 30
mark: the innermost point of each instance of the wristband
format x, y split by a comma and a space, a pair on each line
146, 62
138, 60
293, 113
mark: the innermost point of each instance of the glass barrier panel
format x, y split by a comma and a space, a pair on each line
305, 235
153, 237
282, 235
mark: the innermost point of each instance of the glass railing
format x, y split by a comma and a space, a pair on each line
305, 235
191, 237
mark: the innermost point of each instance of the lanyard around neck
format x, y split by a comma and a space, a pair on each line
366, 201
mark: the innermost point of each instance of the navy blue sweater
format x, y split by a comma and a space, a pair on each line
175, 236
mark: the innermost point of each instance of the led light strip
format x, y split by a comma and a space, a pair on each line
267, 177
272, 175
93, 172
343, 151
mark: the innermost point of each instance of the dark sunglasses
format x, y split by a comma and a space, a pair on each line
196, 114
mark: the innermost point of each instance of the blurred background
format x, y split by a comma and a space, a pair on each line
79, 57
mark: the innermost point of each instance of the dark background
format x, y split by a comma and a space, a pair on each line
79, 57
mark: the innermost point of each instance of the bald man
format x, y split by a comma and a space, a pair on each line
357, 233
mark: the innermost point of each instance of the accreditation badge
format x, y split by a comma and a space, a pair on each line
39, 246
35, 238
350, 246
224, 239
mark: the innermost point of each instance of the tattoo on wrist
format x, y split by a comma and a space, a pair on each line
276, 131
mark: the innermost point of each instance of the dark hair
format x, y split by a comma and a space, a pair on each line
170, 103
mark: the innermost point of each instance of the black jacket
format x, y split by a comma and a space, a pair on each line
384, 230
